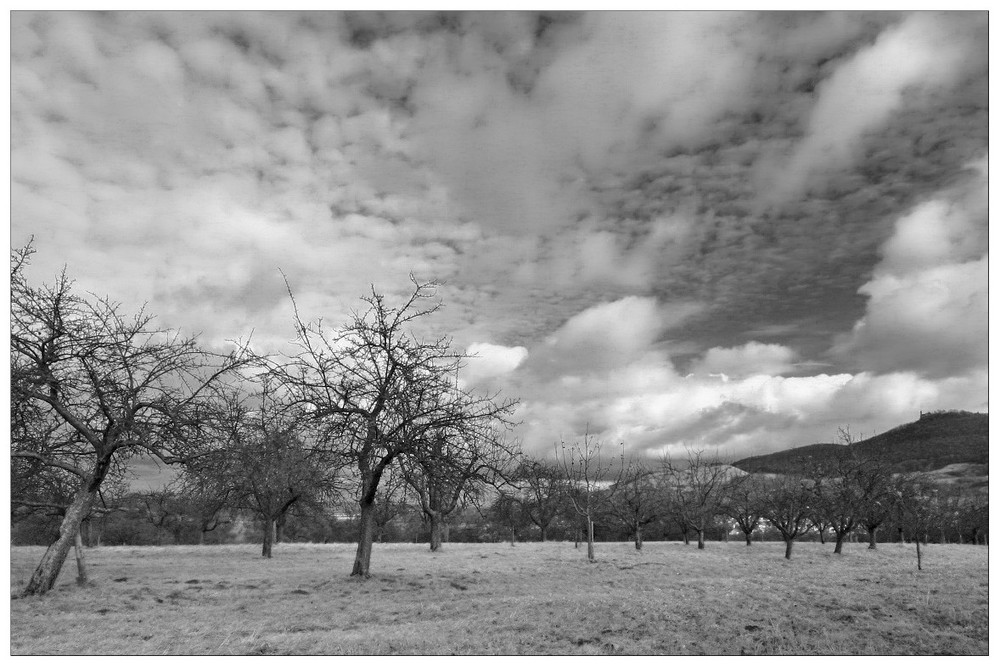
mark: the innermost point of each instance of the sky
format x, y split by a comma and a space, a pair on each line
718, 231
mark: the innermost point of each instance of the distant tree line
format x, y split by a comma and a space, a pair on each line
695, 499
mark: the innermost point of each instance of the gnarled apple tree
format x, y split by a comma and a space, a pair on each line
456, 465
376, 392
115, 385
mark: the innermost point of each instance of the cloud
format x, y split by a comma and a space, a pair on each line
655, 411
923, 52
487, 363
606, 371
751, 359
928, 299
521, 142
606, 336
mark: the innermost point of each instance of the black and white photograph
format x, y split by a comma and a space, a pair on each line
506, 332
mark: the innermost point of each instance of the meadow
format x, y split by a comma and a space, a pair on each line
500, 599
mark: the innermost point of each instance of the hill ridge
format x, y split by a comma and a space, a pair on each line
936, 440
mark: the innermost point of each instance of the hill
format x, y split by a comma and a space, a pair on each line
958, 441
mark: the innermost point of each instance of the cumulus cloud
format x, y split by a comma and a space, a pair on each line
652, 409
607, 336
751, 359
487, 362
607, 372
928, 299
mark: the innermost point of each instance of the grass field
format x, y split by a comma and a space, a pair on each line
497, 599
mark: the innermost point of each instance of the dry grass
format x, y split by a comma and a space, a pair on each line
498, 599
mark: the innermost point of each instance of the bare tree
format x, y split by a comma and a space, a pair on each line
162, 509
837, 500
508, 510
678, 514
742, 501
818, 520
39, 490
206, 494
787, 506
696, 489
267, 463
451, 467
117, 385
851, 489
390, 501
585, 474
543, 492
974, 514
919, 508
636, 499
376, 392
879, 496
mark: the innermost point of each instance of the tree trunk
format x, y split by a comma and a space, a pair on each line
436, 530
822, 536
81, 564
872, 544
279, 529
701, 538
684, 532
590, 539
268, 538
366, 525
840, 543
512, 536
749, 536
919, 567
576, 535
788, 548
45, 575
638, 538
543, 532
